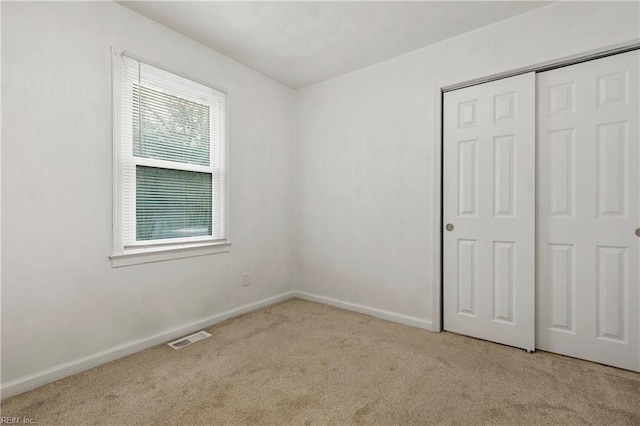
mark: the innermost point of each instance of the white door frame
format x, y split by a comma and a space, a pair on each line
436, 190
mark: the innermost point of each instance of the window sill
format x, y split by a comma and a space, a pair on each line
149, 255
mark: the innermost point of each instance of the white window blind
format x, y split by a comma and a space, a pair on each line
172, 158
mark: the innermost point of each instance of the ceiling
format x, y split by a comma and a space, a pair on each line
302, 43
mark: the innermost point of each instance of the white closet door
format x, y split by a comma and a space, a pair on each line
589, 210
489, 204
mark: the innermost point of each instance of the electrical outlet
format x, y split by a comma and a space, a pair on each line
246, 279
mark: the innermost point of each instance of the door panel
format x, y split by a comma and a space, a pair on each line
588, 209
489, 198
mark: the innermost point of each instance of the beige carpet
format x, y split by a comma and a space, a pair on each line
304, 363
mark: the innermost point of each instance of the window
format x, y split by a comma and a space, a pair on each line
169, 164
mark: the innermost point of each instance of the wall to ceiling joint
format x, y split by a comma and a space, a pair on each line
61, 299
367, 151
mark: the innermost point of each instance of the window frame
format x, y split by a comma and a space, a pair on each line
160, 249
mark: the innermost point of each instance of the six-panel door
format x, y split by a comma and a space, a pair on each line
489, 211
588, 211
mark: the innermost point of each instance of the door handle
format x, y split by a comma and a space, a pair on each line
450, 227
638, 232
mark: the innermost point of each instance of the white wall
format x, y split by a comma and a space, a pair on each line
61, 299
367, 152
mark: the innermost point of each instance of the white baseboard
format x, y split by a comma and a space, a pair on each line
70, 368
61, 371
374, 312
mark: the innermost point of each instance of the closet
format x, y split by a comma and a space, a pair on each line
541, 209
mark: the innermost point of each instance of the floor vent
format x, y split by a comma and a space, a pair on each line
186, 341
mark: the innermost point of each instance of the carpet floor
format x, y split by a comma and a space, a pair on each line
305, 363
